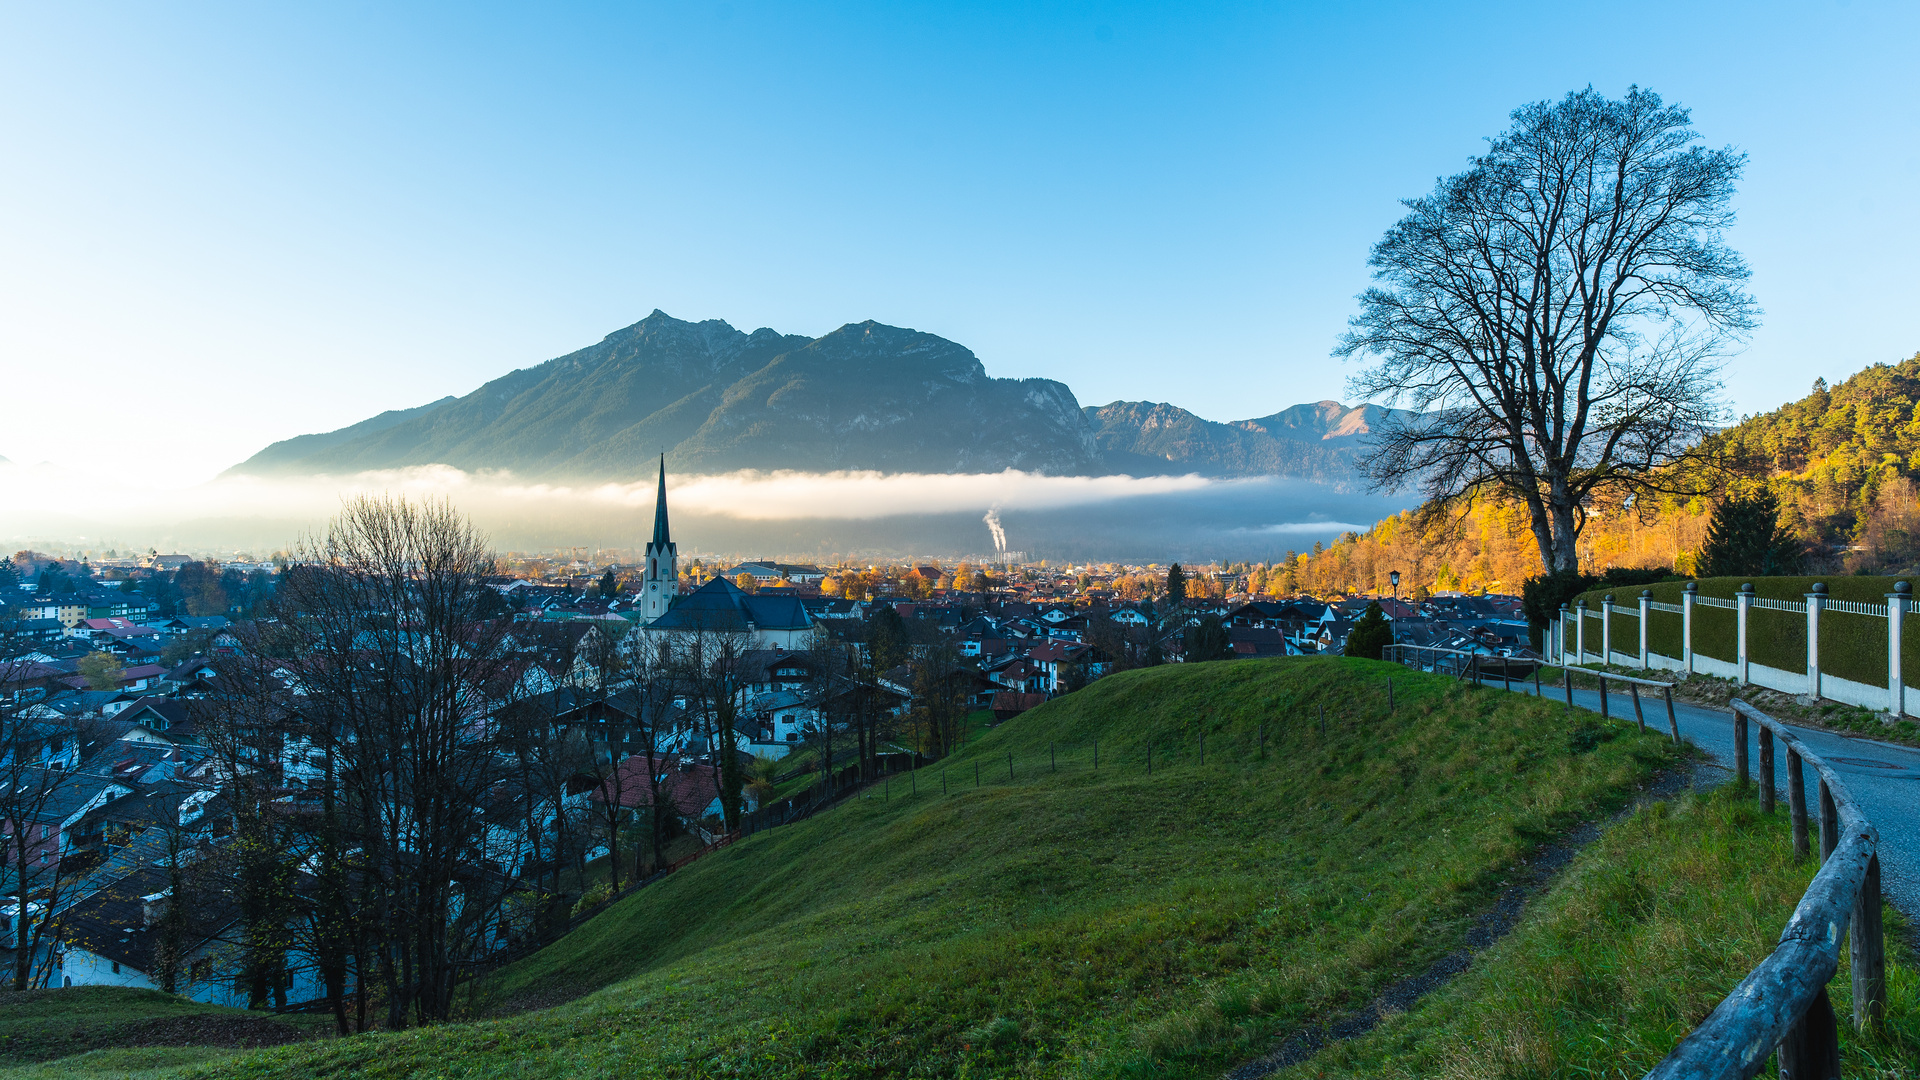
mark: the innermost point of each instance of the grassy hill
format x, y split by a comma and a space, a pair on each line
113, 1030
1079, 922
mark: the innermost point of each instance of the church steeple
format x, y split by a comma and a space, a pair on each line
661, 538
662, 580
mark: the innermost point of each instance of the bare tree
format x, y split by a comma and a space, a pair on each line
1557, 313
395, 656
39, 748
704, 658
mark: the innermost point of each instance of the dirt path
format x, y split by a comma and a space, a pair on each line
1489, 926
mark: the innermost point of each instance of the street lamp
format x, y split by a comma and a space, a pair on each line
1394, 577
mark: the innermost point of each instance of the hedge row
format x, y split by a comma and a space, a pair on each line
1851, 646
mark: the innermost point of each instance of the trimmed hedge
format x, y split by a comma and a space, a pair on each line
1851, 646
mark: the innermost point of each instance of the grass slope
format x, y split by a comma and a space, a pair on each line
1084, 922
1640, 941
121, 1031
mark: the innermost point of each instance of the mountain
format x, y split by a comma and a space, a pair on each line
1320, 441
866, 396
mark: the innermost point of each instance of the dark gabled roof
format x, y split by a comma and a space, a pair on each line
719, 605
112, 922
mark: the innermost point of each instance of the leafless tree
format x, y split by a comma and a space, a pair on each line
394, 656
704, 658
39, 747
1557, 314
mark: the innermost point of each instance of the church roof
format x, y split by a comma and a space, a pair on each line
720, 605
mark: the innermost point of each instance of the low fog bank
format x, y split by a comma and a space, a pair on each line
853, 514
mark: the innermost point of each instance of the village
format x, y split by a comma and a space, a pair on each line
165, 726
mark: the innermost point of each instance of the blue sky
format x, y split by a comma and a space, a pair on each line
222, 225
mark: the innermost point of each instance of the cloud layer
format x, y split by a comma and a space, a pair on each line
749, 510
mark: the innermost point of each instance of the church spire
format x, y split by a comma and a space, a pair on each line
660, 536
661, 583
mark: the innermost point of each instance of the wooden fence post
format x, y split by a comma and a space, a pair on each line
1829, 822
1797, 802
1641, 717
1740, 770
1566, 680
1869, 953
1812, 1046
1604, 714
1536, 679
1766, 769
1673, 721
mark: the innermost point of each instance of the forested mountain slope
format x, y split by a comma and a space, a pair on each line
1841, 461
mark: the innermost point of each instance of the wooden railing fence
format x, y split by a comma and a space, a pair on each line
1782, 1006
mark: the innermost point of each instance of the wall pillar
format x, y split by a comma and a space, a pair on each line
1686, 624
1580, 632
1896, 624
1646, 615
1744, 601
1606, 630
1816, 601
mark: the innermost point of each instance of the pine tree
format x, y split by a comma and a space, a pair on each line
609, 585
1745, 539
1176, 586
1371, 634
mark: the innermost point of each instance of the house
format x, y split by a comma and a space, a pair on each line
112, 938
768, 572
1256, 642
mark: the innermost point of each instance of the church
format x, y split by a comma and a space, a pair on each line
719, 606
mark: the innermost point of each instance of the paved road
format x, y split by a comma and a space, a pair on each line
1884, 777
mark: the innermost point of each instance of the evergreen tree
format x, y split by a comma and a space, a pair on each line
1744, 539
609, 585
1176, 586
887, 639
1208, 641
1371, 634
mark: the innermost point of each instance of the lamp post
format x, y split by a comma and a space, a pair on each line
1394, 577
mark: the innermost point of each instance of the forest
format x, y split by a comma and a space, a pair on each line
1840, 462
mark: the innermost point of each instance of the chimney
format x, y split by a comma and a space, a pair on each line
153, 908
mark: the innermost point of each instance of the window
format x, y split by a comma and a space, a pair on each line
116, 967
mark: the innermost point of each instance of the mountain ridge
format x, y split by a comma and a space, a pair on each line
865, 396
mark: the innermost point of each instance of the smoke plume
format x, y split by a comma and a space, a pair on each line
999, 534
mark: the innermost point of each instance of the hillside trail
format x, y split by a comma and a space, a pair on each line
1881, 775
1534, 876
